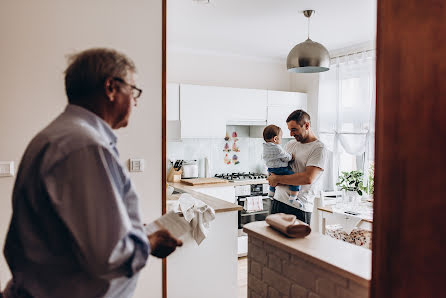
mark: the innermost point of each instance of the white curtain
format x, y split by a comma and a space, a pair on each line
346, 112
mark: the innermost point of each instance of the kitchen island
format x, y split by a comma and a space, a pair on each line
208, 269
314, 266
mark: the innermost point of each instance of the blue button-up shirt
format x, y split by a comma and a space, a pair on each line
75, 229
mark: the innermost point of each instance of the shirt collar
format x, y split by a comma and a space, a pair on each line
94, 121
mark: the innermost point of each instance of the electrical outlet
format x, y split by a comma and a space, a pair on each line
6, 168
136, 165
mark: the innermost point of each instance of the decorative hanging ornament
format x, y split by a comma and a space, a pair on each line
227, 137
235, 159
226, 149
227, 160
235, 147
234, 136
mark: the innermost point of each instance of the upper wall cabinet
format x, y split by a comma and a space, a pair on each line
173, 125
172, 101
195, 111
201, 112
205, 110
280, 106
283, 98
245, 105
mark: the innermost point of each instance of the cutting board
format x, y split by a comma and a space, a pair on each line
199, 181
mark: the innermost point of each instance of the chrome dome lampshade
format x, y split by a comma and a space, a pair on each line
308, 56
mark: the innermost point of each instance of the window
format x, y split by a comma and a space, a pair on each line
347, 115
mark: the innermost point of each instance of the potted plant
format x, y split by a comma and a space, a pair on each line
352, 183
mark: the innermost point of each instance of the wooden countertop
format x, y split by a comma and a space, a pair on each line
218, 204
347, 260
235, 183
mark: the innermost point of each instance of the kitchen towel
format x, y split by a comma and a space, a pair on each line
198, 214
253, 204
347, 221
288, 225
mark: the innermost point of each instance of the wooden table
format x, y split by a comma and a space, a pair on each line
326, 212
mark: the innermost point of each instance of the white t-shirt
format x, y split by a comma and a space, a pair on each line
309, 154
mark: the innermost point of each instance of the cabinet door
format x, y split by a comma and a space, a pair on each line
295, 99
245, 104
226, 193
277, 115
172, 102
201, 112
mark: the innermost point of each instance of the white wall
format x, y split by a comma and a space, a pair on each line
203, 68
35, 37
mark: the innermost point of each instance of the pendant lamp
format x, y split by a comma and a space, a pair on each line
308, 56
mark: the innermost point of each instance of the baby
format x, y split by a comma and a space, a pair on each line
276, 159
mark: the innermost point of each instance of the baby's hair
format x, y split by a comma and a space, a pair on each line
270, 132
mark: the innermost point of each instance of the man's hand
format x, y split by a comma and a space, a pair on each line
272, 180
163, 243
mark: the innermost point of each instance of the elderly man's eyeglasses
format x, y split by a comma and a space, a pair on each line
136, 92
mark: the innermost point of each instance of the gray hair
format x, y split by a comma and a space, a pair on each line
88, 70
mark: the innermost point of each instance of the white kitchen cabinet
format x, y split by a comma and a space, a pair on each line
245, 105
209, 269
281, 104
173, 125
204, 111
284, 98
172, 102
226, 193
201, 112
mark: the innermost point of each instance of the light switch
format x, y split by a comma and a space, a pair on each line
6, 168
136, 165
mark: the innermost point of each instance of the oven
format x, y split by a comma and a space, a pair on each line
246, 193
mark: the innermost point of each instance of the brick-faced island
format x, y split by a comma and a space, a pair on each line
314, 266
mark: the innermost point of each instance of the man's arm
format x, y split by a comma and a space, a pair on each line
307, 177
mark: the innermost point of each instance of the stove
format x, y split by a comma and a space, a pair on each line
241, 176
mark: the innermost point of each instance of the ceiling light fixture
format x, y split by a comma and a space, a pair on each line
308, 56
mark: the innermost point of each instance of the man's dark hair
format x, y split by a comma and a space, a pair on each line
300, 116
270, 132
87, 71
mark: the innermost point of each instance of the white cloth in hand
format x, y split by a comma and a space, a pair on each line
198, 214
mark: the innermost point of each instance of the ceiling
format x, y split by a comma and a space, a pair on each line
267, 28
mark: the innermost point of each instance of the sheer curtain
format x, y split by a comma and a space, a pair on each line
346, 114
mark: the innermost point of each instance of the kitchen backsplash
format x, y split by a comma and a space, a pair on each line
223, 155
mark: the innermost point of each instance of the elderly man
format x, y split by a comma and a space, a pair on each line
308, 165
76, 229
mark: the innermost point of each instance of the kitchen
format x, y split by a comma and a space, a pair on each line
246, 93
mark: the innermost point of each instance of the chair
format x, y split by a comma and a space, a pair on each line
325, 198
314, 222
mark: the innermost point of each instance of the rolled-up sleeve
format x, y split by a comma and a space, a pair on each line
92, 203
